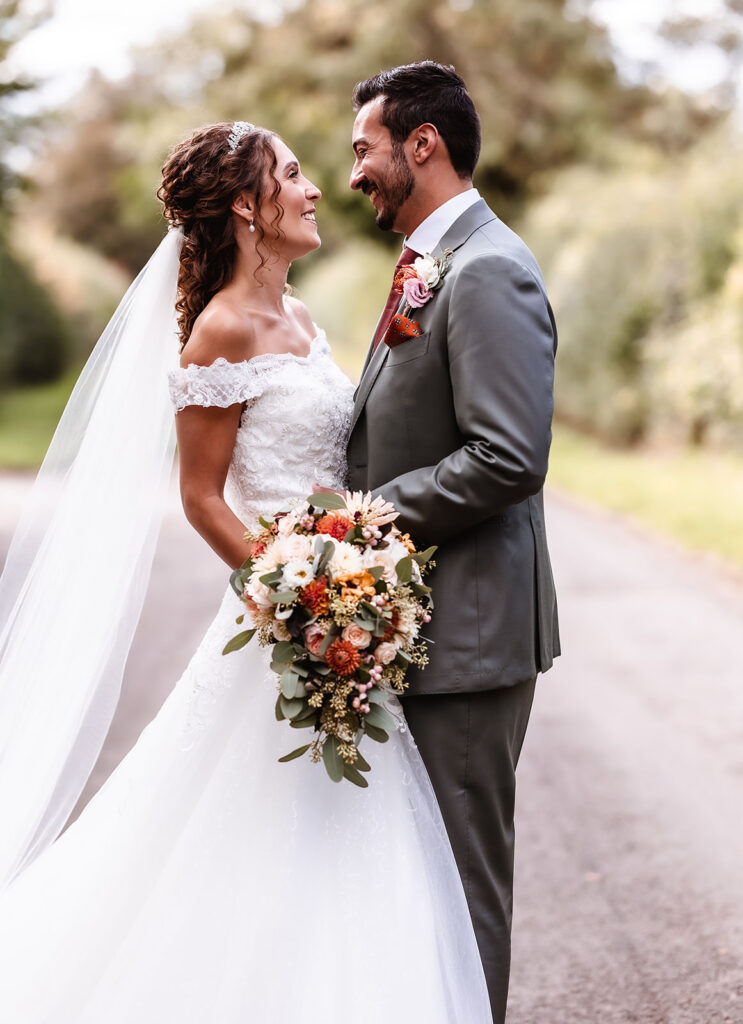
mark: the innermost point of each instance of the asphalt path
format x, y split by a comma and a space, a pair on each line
629, 877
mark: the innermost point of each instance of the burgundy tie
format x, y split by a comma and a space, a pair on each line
407, 256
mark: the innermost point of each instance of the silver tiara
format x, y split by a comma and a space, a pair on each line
239, 128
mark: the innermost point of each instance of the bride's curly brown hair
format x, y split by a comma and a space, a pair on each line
200, 181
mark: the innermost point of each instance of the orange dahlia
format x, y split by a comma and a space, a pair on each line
315, 596
335, 526
356, 585
343, 657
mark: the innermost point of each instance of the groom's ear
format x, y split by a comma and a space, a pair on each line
425, 140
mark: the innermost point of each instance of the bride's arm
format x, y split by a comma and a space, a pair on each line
206, 438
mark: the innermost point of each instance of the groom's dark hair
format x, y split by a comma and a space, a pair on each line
427, 92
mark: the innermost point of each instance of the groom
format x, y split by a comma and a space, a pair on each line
452, 424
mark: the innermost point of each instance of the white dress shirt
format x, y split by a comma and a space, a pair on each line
429, 232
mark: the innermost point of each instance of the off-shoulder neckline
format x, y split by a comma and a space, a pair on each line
221, 360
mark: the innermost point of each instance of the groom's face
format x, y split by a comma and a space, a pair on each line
381, 170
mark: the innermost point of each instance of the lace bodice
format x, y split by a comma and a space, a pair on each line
294, 427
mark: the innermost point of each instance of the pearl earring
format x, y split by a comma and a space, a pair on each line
251, 227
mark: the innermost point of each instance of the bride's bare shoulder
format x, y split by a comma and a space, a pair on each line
219, 331
301, 313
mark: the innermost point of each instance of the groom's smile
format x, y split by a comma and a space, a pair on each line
381, 170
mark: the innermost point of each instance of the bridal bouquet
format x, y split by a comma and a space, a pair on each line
337, 590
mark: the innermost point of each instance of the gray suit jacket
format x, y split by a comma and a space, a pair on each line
454, 428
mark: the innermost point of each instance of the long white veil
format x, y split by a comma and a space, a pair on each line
75, 577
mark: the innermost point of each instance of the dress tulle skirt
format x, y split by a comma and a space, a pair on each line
207, 884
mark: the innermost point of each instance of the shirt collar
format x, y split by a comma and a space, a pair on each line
430, 232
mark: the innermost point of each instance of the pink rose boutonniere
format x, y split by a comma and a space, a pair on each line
417, 283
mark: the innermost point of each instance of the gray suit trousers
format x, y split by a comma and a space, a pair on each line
470, 744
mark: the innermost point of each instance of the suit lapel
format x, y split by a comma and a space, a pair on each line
374, 363
473, 218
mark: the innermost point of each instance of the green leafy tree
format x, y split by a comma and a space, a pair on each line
541, 72
34, 341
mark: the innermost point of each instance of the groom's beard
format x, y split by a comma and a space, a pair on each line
395, 189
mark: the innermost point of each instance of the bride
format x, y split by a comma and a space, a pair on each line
204, 883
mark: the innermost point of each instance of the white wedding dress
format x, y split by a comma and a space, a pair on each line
207, 884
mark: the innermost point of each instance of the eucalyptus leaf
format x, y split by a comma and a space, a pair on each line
289, 681
271, 577
376, 696
379, 735
421, 557
332, 759
280, 716
283, 652
419, 589
380, 718
361, 763
325, 556
370, 610
295, 753
377, 571
303, 723
284, 597
404, 569
354, 775
265, 523
239, 641
327, 500
366, 624
291, 708
236, 582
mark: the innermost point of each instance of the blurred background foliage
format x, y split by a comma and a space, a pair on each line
629, 192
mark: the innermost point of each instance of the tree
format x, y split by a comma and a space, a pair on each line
541, 73
33, 335
15, 21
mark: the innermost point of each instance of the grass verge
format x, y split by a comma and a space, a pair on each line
28, 418
696, 497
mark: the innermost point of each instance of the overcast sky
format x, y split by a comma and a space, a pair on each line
85, 34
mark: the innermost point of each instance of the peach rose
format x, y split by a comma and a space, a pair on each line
313, 638
357, 635
385, 653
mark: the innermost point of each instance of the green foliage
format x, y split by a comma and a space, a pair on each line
85, 286
644, 263
28, 418
16, 18
34, 340
540, 71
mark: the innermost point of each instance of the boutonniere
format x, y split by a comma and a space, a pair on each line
417, 283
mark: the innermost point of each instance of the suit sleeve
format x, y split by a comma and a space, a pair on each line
501, 345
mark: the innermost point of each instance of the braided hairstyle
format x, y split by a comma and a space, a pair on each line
201, 179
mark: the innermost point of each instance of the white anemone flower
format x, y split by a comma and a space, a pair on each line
298, 573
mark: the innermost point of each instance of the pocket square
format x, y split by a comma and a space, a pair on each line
401, 329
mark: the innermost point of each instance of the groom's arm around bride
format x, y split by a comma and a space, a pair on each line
454, 426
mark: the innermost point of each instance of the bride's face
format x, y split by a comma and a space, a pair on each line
297, 197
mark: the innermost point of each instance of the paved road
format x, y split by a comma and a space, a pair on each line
629, 890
